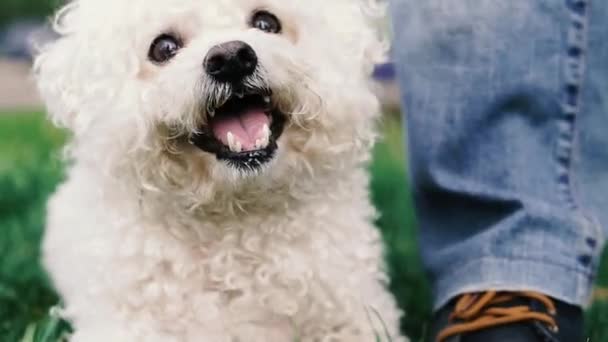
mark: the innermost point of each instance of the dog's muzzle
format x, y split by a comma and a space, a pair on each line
243, 131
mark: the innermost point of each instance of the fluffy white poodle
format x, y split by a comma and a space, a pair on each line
217, 188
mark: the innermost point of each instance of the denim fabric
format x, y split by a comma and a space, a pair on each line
507, 117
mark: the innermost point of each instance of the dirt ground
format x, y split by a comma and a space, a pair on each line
17, 89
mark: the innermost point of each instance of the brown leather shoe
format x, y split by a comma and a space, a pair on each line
507, 317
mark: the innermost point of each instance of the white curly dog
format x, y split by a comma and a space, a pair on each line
217, 187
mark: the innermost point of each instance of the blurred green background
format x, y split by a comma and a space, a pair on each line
31, 167
14, 10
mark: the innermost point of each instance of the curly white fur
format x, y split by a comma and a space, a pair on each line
151, 239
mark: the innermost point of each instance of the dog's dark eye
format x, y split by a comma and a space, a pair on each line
266, 21
163, 48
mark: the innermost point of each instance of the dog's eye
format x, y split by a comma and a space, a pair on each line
163, 48
266, 21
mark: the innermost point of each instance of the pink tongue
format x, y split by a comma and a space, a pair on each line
246, 127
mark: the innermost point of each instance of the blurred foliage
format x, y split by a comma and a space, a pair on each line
49, 329
390, 193
30, 170
12, 10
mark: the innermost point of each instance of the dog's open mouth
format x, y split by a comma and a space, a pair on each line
243, 131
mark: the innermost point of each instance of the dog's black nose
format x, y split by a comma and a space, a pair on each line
231, 61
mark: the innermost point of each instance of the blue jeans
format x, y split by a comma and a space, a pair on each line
507, 114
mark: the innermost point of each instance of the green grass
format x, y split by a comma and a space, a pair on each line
30, 169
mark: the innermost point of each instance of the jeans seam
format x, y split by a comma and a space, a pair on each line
573, 74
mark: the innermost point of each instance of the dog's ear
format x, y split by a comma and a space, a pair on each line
58, 71
75, 72
364, 26
375, 13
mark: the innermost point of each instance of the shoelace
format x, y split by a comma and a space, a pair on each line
478, 311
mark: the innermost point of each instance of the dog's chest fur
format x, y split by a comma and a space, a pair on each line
312, 267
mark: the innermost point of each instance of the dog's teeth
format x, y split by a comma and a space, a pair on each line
231, 141
266, 99
264, 140
211, 113
234, 144
258, 144
240, 95
266, 131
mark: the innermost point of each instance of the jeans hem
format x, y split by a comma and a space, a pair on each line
566, 283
